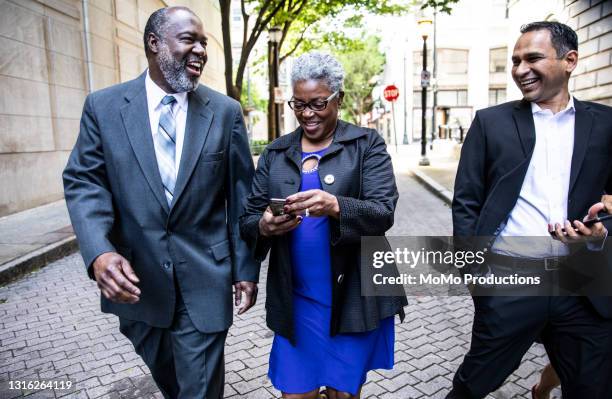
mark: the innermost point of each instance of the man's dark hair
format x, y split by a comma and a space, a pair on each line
563, 37
158, 24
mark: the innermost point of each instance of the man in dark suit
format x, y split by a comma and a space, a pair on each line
154, 188
527, 164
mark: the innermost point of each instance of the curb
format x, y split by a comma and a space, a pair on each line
433, 186
37, 259
41, 257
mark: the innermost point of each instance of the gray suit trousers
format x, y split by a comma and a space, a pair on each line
184, 362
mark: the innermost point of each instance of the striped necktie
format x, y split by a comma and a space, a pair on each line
166, 147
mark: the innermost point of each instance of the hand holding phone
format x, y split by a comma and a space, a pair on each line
578, 234
275, 221
554, 232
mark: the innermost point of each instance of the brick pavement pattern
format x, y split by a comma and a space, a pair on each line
52, 329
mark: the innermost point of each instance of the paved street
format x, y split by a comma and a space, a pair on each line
52, 329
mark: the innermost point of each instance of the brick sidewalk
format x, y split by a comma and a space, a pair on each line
52, 328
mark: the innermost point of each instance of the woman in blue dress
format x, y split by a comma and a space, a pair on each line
338, 184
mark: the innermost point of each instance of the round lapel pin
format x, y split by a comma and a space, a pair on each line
329, 179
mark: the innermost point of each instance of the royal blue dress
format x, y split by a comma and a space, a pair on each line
340, 362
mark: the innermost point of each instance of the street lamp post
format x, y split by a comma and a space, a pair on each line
434, 88
274, 36
424, 25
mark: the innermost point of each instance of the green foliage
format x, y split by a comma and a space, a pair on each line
294, 18
257, 146
346, 38
444, 6
362, 60
330, 42
257, 102
311, 29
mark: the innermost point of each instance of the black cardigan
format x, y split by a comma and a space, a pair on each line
364, 185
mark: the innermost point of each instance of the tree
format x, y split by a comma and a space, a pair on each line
343, 34
361, 63
257, 101
356, 48
444, 6
259, 15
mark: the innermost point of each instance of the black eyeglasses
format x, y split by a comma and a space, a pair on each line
316, 105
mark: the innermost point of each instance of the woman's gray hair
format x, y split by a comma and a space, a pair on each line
316, 65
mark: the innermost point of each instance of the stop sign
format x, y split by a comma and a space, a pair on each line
391, 93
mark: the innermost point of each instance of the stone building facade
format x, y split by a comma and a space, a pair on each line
52, 53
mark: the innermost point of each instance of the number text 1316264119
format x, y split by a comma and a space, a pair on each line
36, 385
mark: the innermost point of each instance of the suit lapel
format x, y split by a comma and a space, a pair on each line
523, 118
199, 120
135, 117
582, 132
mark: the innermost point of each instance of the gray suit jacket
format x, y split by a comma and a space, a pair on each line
116, 202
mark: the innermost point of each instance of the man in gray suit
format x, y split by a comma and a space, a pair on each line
154, 188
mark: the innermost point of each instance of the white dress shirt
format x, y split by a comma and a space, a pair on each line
544, 194
154, 97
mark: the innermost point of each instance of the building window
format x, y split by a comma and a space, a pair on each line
450, 61
497, 96
416, 99
236, 14
452, 98
498, 59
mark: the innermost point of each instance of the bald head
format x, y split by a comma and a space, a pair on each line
158, 24
175, 45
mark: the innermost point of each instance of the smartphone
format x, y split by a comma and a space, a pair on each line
591, 222
277, 205
587, 223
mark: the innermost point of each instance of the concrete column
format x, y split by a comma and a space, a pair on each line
478, 70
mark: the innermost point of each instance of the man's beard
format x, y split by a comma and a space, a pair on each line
175, 71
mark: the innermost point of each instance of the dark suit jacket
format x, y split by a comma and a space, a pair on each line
116, 202
364, 185
495, 158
